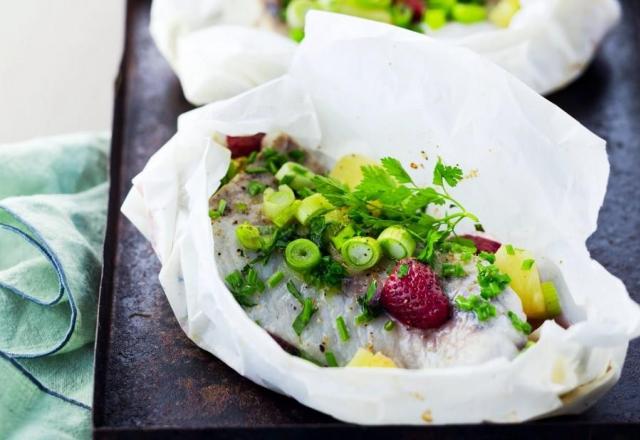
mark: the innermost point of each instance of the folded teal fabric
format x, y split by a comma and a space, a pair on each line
53, 202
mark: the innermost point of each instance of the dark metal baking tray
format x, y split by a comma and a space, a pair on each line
151, 381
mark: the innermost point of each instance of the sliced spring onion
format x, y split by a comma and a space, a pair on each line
361, 253
249, 236
453, 270
467, 14
488, 256
241, 208
389, 325
551, 299
302, 255
345, 234
331, 359
278, 206
302, 320
254, 188
341, 326
435, 18
518, 323
397, 243
297, 176
312, 206
275, 279
255, 170
336, 216
527, 264
219, 211
291, 287
403, 271
510, 249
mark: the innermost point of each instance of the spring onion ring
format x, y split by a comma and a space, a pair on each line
279, 206
361, 253
249, 237
302, 255
311, 206
341, 238
296, 176
397, 243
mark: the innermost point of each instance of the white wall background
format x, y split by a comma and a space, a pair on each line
58, 62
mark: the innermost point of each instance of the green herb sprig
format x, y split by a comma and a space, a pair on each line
244, 285
387, 196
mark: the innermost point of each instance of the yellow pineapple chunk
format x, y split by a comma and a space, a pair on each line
366, 359
347, 169
525, 279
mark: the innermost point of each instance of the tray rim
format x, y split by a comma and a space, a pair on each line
566, 424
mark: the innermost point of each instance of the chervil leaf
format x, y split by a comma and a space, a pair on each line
394, 197
419, 200
335, 192
445, 173
375, 182
394, 168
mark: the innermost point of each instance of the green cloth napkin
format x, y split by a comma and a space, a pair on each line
53, 203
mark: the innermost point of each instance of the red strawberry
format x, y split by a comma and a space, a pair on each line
244, 145
412, 295
483, 244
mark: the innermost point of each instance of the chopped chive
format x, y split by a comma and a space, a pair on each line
488, 256
252, 157
217, 213
528, 264
286, 180
343, 332
254, 188
453, 270
519, 324
275, 279
331, 359
302, 320
255, 170
363, 318
296, 155
479, 227
214, 214
234, 279
389, 325
241, 208
403, 270
295, 292
222, 205
510, 250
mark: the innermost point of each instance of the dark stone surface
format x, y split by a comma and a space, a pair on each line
149, 375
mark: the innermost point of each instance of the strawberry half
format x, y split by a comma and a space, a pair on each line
412, 295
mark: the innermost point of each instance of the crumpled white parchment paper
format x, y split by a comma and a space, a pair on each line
220, 48
379, 90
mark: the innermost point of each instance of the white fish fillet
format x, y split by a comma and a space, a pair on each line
463, 340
